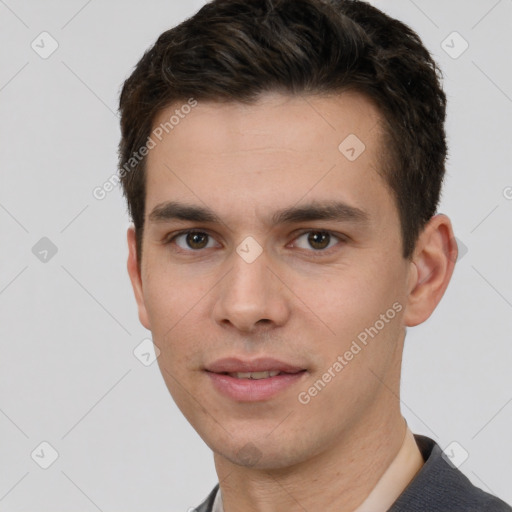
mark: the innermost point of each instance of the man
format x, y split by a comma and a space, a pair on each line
282, 162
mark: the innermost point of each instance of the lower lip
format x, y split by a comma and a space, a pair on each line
253, 390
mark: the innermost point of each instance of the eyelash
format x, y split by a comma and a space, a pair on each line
315, 253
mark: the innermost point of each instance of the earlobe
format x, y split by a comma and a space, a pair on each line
135, 277
431, 269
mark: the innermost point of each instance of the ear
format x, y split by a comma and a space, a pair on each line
431, 269
135, 277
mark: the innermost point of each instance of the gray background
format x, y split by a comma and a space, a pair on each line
69, 326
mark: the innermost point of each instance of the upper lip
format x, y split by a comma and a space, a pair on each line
236, 365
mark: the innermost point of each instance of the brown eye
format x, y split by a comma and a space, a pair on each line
193, 241
197, 240
319, 239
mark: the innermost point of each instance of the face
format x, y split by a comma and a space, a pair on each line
264, 238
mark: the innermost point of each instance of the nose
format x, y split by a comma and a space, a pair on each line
252, 297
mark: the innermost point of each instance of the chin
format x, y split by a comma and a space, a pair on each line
261, 455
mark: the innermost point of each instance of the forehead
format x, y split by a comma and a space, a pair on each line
218, 127
277, 151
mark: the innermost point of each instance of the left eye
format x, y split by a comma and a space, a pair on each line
318, 240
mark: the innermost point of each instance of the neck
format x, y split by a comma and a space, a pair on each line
340, 477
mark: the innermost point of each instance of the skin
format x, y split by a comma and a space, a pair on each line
201, 304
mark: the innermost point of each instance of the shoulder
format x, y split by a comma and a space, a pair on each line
440, 486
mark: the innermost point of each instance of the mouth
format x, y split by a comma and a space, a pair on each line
258, 375
256, 368
250, 381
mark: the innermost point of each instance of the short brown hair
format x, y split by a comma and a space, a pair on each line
235, 50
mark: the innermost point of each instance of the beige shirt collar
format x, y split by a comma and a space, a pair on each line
396, 478
390, 486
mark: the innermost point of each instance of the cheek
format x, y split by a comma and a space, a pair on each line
170, 295
346, 302
179, 308
173, 308
170, 305
356, 315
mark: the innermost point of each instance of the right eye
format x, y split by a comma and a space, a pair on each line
192, 241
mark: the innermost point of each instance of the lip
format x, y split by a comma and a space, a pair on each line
252, 390
262, 364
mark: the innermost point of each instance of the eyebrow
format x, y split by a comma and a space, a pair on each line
330, 210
